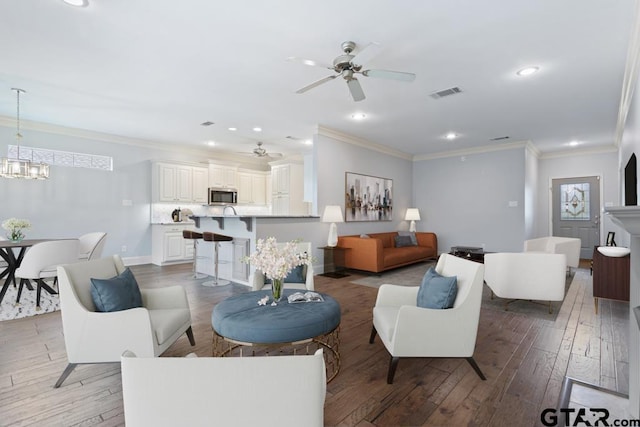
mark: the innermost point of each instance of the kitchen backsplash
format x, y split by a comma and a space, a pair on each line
161, 212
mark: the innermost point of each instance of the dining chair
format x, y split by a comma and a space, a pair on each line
40, 263
91, 245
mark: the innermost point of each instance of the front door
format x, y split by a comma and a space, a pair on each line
576, 211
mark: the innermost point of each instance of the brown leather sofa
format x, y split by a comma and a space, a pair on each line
378, 252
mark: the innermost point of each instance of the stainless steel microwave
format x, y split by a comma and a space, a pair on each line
222, 196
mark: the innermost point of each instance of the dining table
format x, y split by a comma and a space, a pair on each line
8, 253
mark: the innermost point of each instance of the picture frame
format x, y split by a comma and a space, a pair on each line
368, 198
611, 239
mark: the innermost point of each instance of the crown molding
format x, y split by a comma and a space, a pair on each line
579, 152
477, 150
361, 142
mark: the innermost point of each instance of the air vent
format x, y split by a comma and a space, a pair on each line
499, 138
207, 123
446, 92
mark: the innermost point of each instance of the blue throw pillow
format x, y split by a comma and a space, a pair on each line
116, 294
437, 291
297, 275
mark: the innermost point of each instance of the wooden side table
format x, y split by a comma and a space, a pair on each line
334, 262
610, 277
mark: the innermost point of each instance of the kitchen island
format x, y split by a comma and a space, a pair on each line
245, 231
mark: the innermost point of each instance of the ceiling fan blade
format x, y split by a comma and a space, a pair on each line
316, 83
366, 54
355, 89
393, 75
309, 62
274, 155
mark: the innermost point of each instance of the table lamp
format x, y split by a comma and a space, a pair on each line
332, 214
413, 215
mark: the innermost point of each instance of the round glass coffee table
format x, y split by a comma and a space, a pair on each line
240, 323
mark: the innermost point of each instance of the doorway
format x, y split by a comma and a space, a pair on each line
576, 211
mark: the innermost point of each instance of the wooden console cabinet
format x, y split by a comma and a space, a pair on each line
610, 277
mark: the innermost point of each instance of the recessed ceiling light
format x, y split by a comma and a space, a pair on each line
451, 135
211, 143
574, 143
358, 116
257, 129
78, 3
233, 129
308, 142
528, 71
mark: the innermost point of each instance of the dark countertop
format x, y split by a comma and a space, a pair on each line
254, 216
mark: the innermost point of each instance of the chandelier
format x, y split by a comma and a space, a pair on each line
17, 167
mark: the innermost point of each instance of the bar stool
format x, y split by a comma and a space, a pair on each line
216, 239
195, 236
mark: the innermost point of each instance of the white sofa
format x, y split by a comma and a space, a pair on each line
224, 391
526, 275
557, 245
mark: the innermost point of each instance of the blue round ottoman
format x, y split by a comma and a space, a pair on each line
239, 321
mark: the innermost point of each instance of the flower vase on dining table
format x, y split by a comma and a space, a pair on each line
276, 289
15, 236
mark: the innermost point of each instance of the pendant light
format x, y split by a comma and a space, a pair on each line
17, 167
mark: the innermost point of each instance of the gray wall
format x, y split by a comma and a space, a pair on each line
465, 199
78, 200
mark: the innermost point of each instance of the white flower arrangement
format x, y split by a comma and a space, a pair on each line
14, 226
276, 262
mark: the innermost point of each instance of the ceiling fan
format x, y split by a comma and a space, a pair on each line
261, 152
348, 65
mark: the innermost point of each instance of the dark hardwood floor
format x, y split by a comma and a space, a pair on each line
525, 361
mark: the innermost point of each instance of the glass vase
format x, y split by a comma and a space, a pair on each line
15, 236
276, 289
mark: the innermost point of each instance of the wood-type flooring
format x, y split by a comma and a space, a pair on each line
525, 361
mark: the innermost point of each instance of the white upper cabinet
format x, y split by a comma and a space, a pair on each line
287, 188
173, 182
221, 176
252, 187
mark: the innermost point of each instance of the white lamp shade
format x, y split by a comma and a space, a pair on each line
332, 213
413, 214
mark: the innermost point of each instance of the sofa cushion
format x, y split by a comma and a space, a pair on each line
403, 241
411, 234
405, 255
437, 291
117, 293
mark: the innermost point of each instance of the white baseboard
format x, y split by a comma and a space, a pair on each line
137, 260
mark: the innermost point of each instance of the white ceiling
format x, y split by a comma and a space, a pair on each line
156, 69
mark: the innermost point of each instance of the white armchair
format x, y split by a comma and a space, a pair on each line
91, 245
226, 391
526, 276
557, 245
407, 330
95, 337
258, 278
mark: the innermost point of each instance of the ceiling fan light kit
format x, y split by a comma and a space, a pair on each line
348, 65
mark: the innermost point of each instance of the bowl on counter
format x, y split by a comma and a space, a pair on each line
614, 251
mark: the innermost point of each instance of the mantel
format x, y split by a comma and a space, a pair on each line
627, 217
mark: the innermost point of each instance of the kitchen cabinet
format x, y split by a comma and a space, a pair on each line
222, 176
168, 246
252, 187
287, 188
179, 183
